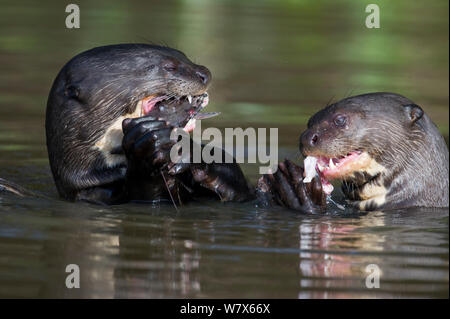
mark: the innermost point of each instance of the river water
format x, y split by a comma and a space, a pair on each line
274, 64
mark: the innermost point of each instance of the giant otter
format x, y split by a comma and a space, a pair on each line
109, 116
385, 149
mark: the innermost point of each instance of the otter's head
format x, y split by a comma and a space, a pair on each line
367, 141
96, 90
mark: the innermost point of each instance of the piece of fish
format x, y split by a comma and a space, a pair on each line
310, 169
205, 115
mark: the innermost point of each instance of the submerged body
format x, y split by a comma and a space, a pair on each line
383, 147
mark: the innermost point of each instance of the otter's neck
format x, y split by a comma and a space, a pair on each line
416, 176
423, 181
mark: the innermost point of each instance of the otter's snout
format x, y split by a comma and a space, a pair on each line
308, 140
203, 74
194, 72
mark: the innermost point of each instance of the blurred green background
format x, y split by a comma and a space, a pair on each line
274, 63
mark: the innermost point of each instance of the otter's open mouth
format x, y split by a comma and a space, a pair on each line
181, 111
340, 167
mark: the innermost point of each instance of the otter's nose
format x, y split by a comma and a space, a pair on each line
204, 75
308, 139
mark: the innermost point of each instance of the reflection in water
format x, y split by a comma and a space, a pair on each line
339, 270
206, 251
274, 63
158, 266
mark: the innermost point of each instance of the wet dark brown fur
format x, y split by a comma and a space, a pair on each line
411, 156
406, 160
90, 99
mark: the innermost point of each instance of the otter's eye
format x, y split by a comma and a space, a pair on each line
169, 65
151, 67
340, 120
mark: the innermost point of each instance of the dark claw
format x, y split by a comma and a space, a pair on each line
146, 144
226, 180
318, 196
153, 142
287, 188
295, 171
133, 133
178, 168
128, 124
307, 204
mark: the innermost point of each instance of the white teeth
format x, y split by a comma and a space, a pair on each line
321, 168
331, 164
189, 97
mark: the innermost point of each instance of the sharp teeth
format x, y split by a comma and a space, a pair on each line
321, 168
331, 164
189, 97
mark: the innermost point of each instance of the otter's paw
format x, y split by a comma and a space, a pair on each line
147, 142
226, 180
286, 188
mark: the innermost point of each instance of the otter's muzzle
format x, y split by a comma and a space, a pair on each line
308, 140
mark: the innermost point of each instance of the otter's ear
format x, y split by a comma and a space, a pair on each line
72, 92
414, 112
